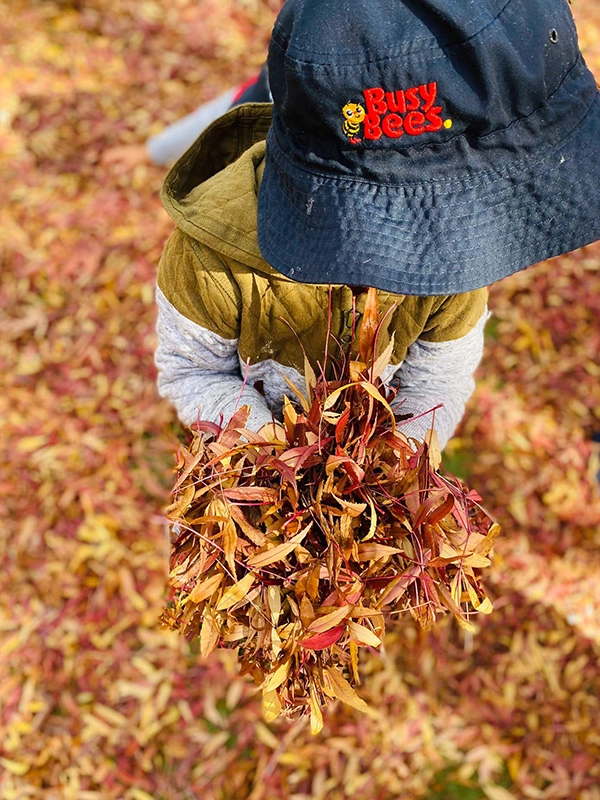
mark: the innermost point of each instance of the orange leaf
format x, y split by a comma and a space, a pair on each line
278, 552
368, 326
261, 494
329, 620
205, 588
371, 551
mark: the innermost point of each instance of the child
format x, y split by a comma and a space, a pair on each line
426, 148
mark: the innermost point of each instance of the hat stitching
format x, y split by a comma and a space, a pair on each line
465, 182
415, 44
454, 203
392, 114
475, 227
467, 269
474, 224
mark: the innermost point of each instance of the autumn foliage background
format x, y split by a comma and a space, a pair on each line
96, 701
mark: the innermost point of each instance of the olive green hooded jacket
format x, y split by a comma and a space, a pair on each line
229, 324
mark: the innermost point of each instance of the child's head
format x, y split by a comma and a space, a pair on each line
427, 146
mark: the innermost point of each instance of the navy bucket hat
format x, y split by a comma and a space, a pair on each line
427, 147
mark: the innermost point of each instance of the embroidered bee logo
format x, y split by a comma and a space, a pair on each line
354, 115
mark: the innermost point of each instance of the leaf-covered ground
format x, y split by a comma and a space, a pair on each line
96, 701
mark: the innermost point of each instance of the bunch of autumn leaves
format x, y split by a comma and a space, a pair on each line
296, 551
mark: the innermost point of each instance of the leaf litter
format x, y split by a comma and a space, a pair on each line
96, 701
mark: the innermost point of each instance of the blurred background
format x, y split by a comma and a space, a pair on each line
96, 701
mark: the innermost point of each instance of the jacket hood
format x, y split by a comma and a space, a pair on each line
212, 191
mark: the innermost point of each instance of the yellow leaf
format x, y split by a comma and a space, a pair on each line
373, 522
299, 394
230, 539
209, 635
274, 602
15, 767
266, 736
316, 715
312, 582
334, 396
354, 661
27, 444
477, 561
277, 678
384, 359
307, 612
343, 691
236, 592
29, 364
309, 376
278, 552
368, 325
356, 368
138, 794
271, 706
465, 624
498, 793
484, 606
484, 547
435, 451
456, 589
204, 589
330, 620
184, 500
363, 635
354, 509
110, 715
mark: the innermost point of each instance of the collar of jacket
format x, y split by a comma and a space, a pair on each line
212, 191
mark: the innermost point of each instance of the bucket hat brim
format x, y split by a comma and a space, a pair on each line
434, 237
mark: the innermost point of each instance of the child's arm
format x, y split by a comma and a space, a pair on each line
439, 372
198, 368
199, 371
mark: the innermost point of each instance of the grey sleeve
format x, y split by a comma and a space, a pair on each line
199, 371
167, 146
436, 373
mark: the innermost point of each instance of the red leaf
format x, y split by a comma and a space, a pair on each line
231, 436
341, 425
321, 641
